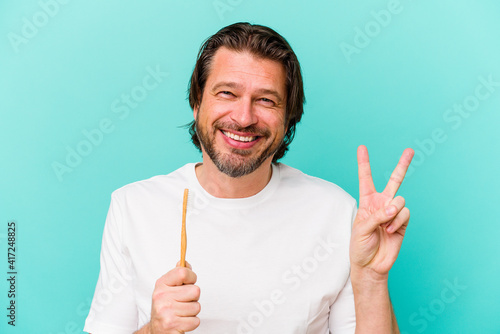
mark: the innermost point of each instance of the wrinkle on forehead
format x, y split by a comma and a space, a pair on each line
230, 65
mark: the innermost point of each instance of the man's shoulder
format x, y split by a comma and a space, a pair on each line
157, 184
296, 180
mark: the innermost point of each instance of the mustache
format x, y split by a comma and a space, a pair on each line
249, 129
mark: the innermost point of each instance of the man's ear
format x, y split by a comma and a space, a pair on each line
196, 108
287, 127
195, 111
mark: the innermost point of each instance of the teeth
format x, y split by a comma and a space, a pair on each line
238, 138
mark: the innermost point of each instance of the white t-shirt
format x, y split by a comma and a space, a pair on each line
275, 262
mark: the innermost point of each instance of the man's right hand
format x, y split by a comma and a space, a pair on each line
175, 302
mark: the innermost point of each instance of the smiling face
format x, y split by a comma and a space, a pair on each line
241, 118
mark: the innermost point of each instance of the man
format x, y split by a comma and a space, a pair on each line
271, 248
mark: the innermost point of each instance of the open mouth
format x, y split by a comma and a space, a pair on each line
243, 139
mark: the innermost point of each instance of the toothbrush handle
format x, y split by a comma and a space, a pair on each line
183, 232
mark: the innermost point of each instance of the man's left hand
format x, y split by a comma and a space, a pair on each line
380, 224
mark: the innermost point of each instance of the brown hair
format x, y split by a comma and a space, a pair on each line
262, 42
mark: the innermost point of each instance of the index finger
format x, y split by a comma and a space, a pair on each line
178, 276
399, 173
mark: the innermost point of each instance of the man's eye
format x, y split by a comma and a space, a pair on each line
266, 100
225, 92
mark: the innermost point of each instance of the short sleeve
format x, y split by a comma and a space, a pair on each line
342, 315
113, 309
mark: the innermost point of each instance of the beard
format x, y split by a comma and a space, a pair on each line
238, 162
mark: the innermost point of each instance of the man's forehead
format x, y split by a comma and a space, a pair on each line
229, 65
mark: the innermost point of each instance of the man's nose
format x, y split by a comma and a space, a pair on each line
244, 113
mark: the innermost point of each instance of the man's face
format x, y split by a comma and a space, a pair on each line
241, 119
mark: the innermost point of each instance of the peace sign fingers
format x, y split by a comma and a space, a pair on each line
373, 246
366, 185
399, 173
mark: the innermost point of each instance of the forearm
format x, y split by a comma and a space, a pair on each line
374, 313
395, 327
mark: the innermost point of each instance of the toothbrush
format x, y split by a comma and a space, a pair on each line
183, 232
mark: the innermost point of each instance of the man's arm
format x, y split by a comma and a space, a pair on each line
377, 234
395, 327
374, 312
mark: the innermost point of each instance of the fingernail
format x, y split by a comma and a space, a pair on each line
390, 228
390, 210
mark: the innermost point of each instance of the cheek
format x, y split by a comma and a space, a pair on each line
277, 127
216, 111
278, 123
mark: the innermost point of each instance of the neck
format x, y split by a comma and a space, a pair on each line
221, 185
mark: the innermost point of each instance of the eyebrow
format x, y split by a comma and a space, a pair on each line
231, 84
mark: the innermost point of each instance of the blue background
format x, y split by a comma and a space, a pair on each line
389, 84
